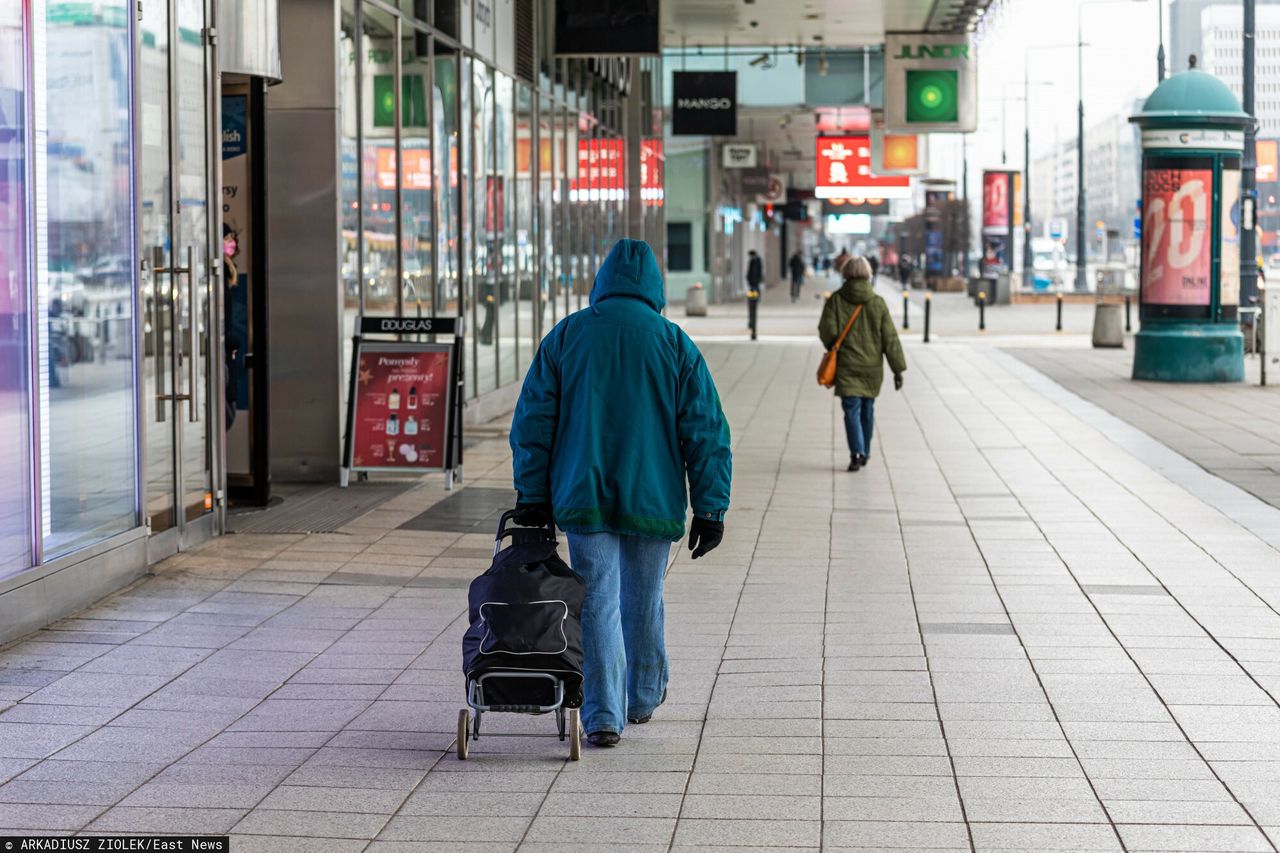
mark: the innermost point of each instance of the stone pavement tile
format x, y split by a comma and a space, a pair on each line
760, 763
737, 745
889, 835
731, 832
1045, 788
573, 780
518, 781
61, 715
307, 823
915, 809
888, 786
1221, 812
885, 746
345, 799
186, 820
1044, 836
1161, 790
1135, 749
426, 802
993, 711
63, 793
46, 818
758, 807
620, 805
1018, 767
1108, 768
37, 740
588, 847
294, 844
602, 830
165, 794
329, 775
755, 783
1034, 810
1202, 839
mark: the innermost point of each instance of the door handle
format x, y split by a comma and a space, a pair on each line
193, 362
157, 325
192, 333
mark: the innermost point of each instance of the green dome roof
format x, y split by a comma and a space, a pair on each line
1192, 97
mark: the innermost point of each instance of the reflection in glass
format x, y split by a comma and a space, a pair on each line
15, 406
416, 175
86, 285
380, 160
444, 166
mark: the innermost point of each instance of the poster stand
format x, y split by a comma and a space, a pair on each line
384, 368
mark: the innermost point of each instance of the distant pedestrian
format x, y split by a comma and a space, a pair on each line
875, 266
617, 412
797, 275
904, 270
840, 261
871, 340
755, 271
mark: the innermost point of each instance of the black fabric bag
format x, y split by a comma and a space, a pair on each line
526, 617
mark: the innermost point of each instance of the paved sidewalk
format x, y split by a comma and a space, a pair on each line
1009, 632
1233, 430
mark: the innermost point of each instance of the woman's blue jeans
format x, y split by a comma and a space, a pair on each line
859, 421
625, 658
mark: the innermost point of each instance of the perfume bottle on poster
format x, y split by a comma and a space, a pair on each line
413, 397
393, 399
411, 425
393, 424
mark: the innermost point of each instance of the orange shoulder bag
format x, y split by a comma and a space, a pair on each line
827, 369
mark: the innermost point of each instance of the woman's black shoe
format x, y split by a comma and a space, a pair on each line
862, 461
603, 738
855, 463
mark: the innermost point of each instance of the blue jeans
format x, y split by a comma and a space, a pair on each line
859, 421
625, 658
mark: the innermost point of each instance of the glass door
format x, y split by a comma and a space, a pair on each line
176, 221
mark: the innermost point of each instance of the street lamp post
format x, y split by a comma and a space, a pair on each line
1081, 263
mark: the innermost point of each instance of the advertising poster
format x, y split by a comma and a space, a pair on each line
236, 261
844, 171
1229, 275
401, 418
1176, 254
995, 254
995, 199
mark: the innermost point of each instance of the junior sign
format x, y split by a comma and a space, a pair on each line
931, 82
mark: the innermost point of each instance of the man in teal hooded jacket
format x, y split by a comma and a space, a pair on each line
617, 411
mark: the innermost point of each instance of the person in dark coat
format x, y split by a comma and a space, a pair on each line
872, 340
797, 275
755, 271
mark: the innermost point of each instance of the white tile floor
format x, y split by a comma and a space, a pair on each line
1012, 631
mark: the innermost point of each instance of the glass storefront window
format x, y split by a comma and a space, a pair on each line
15, 417
86, 279
416, 204
349, 178
444, 164
487, 222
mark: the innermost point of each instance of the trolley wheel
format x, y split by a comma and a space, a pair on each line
464, 733
575, 735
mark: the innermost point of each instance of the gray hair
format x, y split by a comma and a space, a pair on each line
857, 267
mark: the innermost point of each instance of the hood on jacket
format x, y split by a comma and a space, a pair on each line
630, 269
857, 290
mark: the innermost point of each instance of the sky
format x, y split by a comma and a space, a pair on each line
1119, 65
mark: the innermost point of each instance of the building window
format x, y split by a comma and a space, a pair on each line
680, 246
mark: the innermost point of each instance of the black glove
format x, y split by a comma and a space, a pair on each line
532, 513
897, 381
704, 535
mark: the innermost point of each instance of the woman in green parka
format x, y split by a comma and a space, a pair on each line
860, 365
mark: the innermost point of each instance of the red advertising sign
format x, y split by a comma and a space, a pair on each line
1176, 255
995, 199
844, 171
416, 163
401, 417
652, 172
600, 170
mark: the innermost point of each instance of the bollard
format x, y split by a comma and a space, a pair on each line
1058, 328
1128, 324
928, 301
906, 312
982, 310
753, 299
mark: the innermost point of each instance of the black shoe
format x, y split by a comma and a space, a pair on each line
603, 739
855, 463
640, 721
862, 461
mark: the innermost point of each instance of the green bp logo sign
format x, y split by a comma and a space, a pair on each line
932, 95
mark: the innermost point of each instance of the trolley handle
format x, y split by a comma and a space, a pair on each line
510, 515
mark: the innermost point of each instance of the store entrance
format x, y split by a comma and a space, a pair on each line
179, 272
